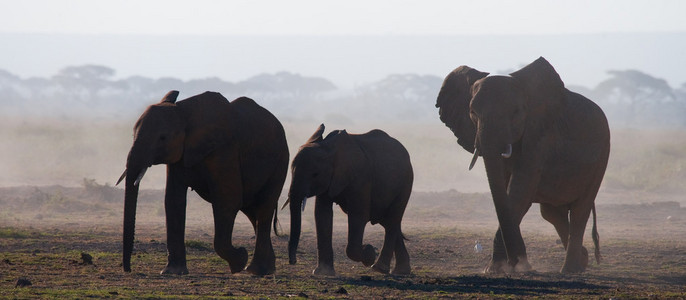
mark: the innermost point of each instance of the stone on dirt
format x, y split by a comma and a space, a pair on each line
86, 258
23, 282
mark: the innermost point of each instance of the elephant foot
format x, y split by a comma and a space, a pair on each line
175, 269
584, 257
323, 270
522, 266
238, 260
497, 267
261, 270
571, 267
401, 270
368, 255
381, 267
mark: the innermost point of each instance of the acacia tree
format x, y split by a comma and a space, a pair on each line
640, 99
86, 79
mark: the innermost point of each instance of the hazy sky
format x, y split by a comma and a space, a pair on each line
349, 42
307, 17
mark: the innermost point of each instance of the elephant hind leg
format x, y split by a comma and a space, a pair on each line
559, 217
261, 215
576, 259
402, 258
383, 263
264, 260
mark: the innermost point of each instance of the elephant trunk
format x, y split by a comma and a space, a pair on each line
130, 203
296, 220
135, 169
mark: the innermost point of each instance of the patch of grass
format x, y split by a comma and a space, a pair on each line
16, 233
199, 245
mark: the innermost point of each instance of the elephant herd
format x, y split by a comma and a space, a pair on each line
539, 142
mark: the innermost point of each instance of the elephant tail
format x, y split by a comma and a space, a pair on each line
596, 238
276, 221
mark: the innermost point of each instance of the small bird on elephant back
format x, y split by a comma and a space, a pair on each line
370, 177
540, 143
233, 154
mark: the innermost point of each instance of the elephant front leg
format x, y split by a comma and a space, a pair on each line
224, 218
501, 260
175, 211
498, 263
355, 250
323, 217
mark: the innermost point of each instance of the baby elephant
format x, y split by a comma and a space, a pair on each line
370, 177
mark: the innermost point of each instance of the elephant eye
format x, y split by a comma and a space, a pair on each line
315, 175
163, 137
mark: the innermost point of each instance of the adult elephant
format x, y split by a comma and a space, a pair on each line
233, 154
370, 177
540, 143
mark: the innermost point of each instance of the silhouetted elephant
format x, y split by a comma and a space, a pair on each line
233, 154
370, 177
540, 143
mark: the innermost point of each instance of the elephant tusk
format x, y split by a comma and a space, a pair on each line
476, 155
304, 202
140, 176
286, 204
508, 151
123, 175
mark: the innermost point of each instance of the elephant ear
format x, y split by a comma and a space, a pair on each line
453, 101
348, 160
170, 97
317, 135
542, 86
209, 125
457, 84
472, 75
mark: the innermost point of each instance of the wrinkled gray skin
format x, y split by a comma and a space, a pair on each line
541, 143
370, 177
233, 154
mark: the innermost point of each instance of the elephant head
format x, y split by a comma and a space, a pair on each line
453, 104
313, 173
158, 138
503, 107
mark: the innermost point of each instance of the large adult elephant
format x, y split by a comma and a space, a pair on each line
370, 177
540, 143
233, 154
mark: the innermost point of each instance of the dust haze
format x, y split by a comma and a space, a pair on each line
70, 153
65, 139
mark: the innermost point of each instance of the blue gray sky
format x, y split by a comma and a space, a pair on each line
349, 17
350, 42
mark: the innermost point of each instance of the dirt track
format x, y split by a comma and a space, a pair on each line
642, 245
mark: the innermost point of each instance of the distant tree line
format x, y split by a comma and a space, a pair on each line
630, 98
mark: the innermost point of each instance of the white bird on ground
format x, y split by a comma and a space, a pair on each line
477, 247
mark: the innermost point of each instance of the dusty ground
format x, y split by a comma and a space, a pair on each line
45, 230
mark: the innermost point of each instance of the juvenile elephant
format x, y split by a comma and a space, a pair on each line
233, 154
370, 177
540, 143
